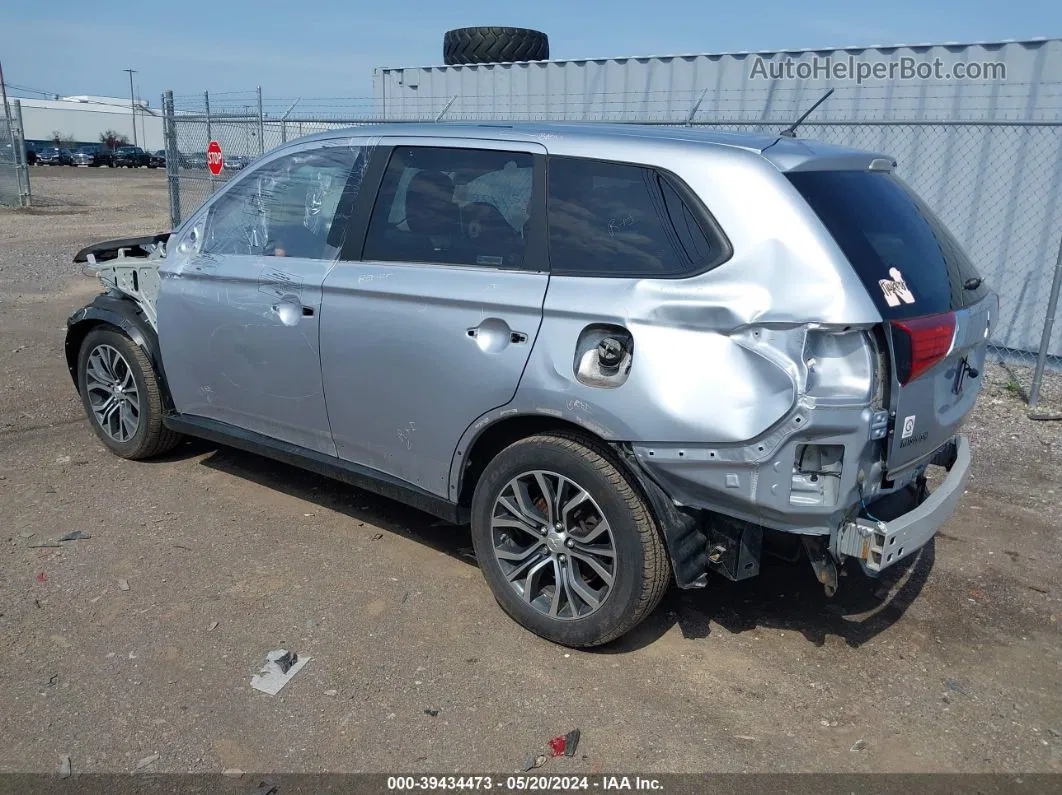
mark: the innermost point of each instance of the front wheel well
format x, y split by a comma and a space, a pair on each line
75, 335
500, 435
121, 315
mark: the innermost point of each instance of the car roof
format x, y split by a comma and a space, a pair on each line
592, 139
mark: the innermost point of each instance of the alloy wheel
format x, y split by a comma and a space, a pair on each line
554, 544
112, 393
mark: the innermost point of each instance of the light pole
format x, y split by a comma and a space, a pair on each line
132, 101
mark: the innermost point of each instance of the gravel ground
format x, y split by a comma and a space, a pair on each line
142, 639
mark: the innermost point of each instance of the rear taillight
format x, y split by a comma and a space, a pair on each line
921, 342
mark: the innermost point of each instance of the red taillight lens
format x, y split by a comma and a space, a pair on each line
921, 342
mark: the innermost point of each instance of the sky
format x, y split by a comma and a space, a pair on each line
328, 48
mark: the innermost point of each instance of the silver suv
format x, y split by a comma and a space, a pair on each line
623, 354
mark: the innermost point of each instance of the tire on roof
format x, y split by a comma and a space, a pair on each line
494, 45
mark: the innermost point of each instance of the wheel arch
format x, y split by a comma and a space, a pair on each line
473, 454
682, 529
122, 314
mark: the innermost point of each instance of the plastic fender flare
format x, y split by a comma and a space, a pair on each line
122, 313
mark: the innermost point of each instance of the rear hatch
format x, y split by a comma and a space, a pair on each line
937, 312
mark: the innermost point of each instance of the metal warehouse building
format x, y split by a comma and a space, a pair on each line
84, 118
985, 153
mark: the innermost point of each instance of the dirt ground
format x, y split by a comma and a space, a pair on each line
955, 666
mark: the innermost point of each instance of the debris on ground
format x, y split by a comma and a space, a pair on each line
281, 665
213, 626
377, 537
45, 545
565, 744
432, 711
571, 742
64, 767
75, 535
533, 761
331, 692
123, 585
232, 772
42, 577
859, 745
956, 686
148, 760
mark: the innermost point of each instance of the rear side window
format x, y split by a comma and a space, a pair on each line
613, 219
453, 206
906, 258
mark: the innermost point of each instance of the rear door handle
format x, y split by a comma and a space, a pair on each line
493, 335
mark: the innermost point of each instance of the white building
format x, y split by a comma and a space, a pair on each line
85, 118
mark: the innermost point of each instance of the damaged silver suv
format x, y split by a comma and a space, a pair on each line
624, 355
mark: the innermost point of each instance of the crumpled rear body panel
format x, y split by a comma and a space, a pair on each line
715, 401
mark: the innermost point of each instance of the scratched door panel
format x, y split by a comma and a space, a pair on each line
434, 326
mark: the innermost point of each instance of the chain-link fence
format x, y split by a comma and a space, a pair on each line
997, 185
14, 173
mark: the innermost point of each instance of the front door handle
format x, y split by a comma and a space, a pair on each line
289, 309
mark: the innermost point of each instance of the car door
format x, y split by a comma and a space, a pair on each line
433, 326
240, 298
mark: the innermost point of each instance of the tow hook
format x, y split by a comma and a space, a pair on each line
822, 563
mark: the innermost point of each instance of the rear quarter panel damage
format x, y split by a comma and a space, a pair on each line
717, 363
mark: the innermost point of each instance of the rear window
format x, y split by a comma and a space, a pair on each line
905, 257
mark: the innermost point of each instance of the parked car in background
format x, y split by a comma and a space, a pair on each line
131, 157
93, 156
158, 159
194, 160
627, 356
236, 162
55, 156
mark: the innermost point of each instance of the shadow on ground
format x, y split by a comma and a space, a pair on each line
785, 595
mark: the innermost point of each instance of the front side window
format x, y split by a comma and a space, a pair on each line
296, 206
452, 206
613, 219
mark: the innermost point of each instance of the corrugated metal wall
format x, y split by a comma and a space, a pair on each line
665, 87
995, 178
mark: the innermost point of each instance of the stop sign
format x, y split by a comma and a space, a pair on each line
214, 159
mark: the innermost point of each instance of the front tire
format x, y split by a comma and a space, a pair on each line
122, 395
566, 542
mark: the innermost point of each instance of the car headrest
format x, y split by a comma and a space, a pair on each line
430, 208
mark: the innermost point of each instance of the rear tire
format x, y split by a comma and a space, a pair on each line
122, 395
547, 574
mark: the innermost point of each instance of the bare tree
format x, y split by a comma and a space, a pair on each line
113, 139
62, 139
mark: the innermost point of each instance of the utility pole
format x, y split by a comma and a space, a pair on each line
132, 101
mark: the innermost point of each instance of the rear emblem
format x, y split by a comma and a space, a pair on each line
895, 289
908, 427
